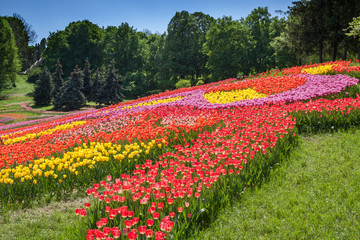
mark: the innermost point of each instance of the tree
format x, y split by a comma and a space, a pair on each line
307, 29
57, 80
354, 28
183, 46
262, 29
71, 97
9, 61
79, 40
43, 89
39, 49
354, 31
111, 91
87, 79
96, 84
227, 48
24, 34
135, 85
123, 45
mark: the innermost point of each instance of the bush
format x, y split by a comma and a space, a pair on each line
34, 75
200, 82
183, 84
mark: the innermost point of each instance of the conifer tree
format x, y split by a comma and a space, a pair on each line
43, 89
71, 97
111, 91
87, 80
57, 79
97, 83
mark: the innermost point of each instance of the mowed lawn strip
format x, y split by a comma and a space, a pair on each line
315, 194
56, 220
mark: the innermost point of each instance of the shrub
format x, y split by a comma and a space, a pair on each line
183, 84
200, 82
34, 75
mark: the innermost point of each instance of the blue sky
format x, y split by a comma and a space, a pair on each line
51, 15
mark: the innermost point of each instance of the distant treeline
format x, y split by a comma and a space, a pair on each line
198, 48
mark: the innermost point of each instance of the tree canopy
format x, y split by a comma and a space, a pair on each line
9, 61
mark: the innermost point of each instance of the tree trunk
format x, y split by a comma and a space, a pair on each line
335, 46
345, 53
321, 52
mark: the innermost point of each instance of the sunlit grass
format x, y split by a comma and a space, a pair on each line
313, 195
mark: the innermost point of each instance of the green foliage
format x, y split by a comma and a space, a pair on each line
71, 96
135, 85
183, 45
33, 75
79, 40
87, 79
96, 84
43, 90
111, 91
284, 54
262, 29
200, 82
24, 35
183, 84
123, 44
318, 24
57, 79
226, 46
9, 61
354, 28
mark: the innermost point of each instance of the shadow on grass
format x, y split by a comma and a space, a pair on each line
43, 107
3, 97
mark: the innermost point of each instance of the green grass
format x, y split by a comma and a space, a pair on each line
56, 220
22, 87
313, 195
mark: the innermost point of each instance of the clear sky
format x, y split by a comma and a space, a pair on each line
51, 15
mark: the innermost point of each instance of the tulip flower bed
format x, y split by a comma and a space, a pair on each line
172, 160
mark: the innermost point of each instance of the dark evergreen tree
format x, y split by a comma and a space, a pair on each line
87, 80
71, 97
111, 91
43, 89
57, 79
97, 83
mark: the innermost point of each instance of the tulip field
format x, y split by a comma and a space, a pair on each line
161, 167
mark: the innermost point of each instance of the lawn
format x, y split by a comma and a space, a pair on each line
314, 194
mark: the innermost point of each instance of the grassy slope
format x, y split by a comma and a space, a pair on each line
16, 95
313, 195
54, 221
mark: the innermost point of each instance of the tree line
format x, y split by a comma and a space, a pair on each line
103, 87
196, 48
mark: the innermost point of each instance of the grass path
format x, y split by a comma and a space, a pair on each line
315, 194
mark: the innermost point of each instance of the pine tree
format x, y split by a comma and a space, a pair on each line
97, 83
71, 97
43, 89
57, 79
110, 92
87, 80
